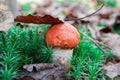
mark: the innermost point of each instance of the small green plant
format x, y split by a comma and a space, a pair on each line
21, 46
9, 59
9, 66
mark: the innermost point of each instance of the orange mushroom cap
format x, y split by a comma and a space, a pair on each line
62, 35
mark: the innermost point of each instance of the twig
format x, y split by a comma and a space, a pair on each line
76, 19
93, 42
104, 45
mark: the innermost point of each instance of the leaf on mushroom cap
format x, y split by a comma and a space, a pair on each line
47, 19
62, 35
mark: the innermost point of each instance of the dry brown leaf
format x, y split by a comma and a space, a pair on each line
47, 19
105, 16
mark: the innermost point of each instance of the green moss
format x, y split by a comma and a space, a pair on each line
21, 46
87, 61
26, 46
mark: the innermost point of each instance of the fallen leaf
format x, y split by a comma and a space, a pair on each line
43, 71
112, 70
47, 19
105, 16
26, 78
6, 20
39, 67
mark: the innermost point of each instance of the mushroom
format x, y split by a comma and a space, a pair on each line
63, 37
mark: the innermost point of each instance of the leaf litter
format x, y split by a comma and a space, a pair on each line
43, 71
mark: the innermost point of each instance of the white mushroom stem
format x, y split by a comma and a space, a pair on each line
62, 56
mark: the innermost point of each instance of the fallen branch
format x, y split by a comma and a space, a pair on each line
106, 46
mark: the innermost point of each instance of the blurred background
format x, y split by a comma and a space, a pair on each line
66, 9
107, 16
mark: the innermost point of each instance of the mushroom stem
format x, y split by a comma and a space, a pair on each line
62, 56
